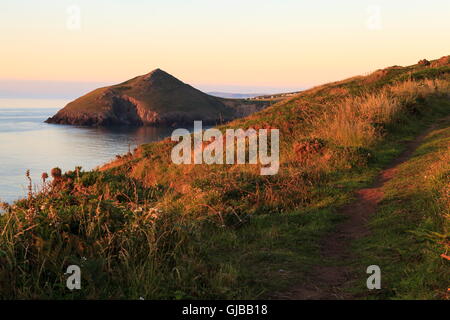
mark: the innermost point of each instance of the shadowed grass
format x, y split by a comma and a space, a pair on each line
410, 231
144, 227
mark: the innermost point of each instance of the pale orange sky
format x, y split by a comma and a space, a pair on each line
218, 45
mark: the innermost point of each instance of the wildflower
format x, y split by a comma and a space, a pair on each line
30, 187
56, 173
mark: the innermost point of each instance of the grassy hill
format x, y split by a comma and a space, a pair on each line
142, 226
156, 98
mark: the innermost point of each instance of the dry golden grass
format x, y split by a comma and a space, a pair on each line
355, 121
151, 227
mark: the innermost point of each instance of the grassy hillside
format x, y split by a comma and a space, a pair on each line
410, 232
144, 227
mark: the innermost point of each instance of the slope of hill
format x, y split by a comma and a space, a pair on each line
156, 98
143, 226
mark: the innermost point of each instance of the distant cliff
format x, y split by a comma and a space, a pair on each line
156, 98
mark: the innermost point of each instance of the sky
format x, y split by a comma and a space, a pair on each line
62, 48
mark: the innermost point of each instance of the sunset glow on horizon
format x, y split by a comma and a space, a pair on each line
218, 44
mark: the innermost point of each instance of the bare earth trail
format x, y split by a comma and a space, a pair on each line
327, 281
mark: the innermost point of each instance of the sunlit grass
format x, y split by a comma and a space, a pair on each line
144, 227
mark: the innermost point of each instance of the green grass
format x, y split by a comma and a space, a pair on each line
268, 254
410, 223
220, 232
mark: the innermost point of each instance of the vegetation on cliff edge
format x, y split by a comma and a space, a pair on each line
144, 227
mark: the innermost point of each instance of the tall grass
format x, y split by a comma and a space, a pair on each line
358, 121
410, 233
140, 234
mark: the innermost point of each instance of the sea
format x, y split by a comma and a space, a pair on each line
27, 143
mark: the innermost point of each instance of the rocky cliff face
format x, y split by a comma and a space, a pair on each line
156, 98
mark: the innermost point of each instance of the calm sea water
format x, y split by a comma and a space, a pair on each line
26, 142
